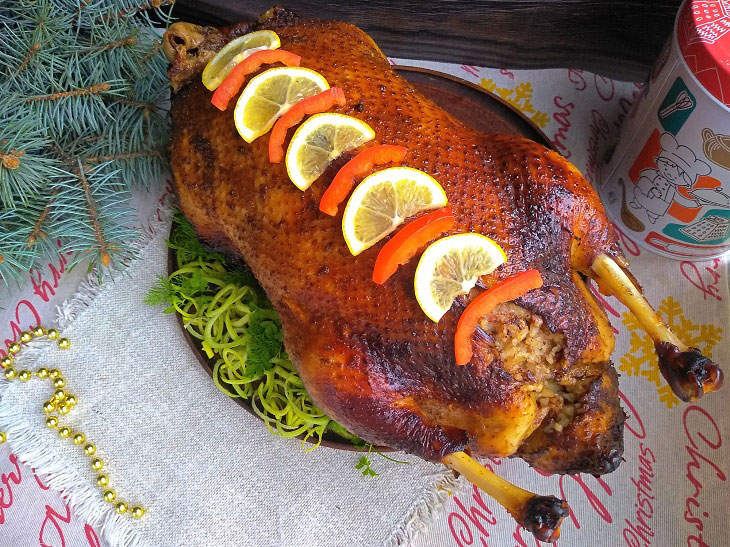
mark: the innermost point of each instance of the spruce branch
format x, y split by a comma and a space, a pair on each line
23, 47
135, 163
28, 56
118, 157
156, 48
143, 105
91, 205
14, 261
72, 107
25, 168
137, 8
37, 232
147, 108
83, 117
128, 41
93, 215
18, 255
42, 17
11, 160
94, 89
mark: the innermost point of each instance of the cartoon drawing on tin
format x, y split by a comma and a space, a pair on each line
677, 167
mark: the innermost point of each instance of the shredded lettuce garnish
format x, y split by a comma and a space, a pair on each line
225, 309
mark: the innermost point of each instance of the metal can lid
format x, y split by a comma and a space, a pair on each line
703, 36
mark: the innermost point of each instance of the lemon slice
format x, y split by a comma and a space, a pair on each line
382, 201
236, 51
450, 267
269, 95
318, 141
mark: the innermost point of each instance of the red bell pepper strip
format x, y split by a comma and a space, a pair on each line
357, 167
320, 102
233, 82
409, 239
504, 291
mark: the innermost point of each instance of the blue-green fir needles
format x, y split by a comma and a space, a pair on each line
82, 121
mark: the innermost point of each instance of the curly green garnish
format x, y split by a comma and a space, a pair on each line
225, 309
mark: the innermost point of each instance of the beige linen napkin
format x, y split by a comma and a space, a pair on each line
208, 472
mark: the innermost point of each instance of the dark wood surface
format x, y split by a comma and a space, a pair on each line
620, 39
471, 104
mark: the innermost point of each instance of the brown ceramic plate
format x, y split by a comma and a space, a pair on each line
474, 106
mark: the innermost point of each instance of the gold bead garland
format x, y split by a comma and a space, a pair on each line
62, 402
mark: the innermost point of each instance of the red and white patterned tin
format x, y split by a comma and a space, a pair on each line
667, 184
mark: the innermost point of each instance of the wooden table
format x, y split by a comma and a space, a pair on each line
620, 39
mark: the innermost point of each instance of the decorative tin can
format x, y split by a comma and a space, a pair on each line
667, 183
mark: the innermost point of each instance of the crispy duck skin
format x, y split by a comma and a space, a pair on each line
368, 355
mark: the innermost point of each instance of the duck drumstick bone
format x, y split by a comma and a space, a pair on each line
689, 373
540, 515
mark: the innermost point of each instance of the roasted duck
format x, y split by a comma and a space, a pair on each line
541, 385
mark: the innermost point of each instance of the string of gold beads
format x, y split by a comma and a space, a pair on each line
62, 403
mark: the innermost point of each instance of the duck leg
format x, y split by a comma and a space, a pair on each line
689, 373
540, 515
